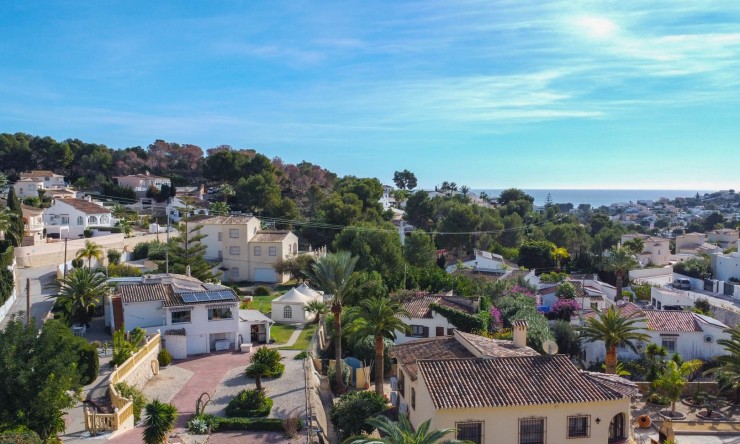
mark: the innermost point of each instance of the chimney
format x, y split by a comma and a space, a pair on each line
88, 198
520, 333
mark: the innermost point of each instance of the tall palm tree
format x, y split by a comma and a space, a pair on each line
620, 262
89, 251
379, 318
7, 219
671, 383
402, 432
159, 421
728, 373
80, 290
227, 191
119, 211
615, 330
318, 308
333, 275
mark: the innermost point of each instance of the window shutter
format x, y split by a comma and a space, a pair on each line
426, 332
440, 331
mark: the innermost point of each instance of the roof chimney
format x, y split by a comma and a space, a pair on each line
520, 333
187, 273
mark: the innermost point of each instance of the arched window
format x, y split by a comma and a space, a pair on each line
104, 219
616, 428
80, 220
92, 220
288, 312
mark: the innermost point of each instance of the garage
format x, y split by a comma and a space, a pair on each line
264, 275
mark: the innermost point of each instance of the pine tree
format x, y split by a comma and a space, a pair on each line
17, 228
186, 249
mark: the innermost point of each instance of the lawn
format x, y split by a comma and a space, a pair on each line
262, 303
303, 339
281, 332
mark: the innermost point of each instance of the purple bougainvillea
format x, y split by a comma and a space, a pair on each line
496, 322
564, 308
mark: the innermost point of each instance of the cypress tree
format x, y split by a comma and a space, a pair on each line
17, 228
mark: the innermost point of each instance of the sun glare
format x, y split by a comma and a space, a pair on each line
597, 27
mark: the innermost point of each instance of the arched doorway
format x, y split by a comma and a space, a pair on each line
616, 428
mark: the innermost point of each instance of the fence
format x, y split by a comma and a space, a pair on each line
122, 418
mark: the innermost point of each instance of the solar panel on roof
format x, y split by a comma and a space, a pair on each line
188, 298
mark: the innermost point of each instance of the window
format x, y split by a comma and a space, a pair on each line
80, 220
579, 426
234, 251
401, 384
669, 344
104, 219
220, 236
450, 331
273, 251
532, 431
65, 220
469, 431
234, 273
439, 331
288, 312
92, 220
180, 317
594, 305
234, 233
258, 251
413, 398
216, 313
420, 330
616, 428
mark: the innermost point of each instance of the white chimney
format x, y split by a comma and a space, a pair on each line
520, 333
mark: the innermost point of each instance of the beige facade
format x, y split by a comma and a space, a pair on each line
246, 252
724, 237
142, 182
501, 425
656, 250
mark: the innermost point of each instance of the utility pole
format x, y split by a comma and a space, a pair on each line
28, 301
167, 246
65, 257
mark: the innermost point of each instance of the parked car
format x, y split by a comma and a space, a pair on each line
683, 284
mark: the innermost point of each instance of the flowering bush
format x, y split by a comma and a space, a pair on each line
564, 308
496, 322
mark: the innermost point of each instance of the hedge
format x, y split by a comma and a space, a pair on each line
465, 322
6, 254
254, 424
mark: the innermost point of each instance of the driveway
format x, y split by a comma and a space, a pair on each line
39, 277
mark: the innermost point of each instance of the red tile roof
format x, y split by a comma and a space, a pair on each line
669, 320
499, 382
440, 347
85, 206
419, 306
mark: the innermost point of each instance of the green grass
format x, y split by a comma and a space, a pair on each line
303, 339
262, 303
281, 332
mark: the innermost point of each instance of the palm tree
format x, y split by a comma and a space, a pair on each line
265, 363
333, 275
318, 308
159, 422
89, 251
379, 318
615, 330
80, 290
125, 226
728, 373
227, 190
620, 262
7, 219
674, 378
119, 211
218, 208
559, 253
634, 245
402, 432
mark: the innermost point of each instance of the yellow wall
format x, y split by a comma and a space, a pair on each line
501, 424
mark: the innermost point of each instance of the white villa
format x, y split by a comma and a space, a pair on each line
485, 262
425, 322
69, 218
141, 183
30, 183
656, 250
193, 317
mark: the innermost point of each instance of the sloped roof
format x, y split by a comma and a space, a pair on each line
293, 296
85, 206
496, 347
270, 236
419, 307
523, 380
671, 320
144, 292
254, 316
614, 382
308, 291
439, 347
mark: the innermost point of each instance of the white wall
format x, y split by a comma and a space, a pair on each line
437, 320
177, 346
727, 266
298, 313
144, 314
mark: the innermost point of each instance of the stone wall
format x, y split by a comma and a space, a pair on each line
145, 370
710, 388
53, 253
728, 317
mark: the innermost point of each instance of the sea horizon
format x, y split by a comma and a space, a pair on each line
597, 197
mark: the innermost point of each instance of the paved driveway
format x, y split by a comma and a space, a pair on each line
40, 277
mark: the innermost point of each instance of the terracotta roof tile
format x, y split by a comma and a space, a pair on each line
440, 347
270, 236
419, 306
144, 292
670, 320
497, 348
614, 382
85, 206
524, 380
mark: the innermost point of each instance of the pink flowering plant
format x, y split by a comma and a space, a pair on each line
564, 308
496, 322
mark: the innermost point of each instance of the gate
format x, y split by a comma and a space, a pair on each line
729, 289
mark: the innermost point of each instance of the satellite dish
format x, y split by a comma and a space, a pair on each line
550, 347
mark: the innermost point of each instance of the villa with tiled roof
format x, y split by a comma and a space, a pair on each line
691, 335
494, 391
426, 322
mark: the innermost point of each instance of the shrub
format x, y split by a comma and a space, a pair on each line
301, 355
658, 399
114, 257
262, 291
19, 436
135, 395
265, 363
249, 403
89, 363
164, 357
78, 263
201, 424
291, 425
346, 373
352, 410
254, 424
157, 251
123, 271
87, 233
141, 251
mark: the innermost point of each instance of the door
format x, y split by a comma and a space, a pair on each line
264, 275
440, 331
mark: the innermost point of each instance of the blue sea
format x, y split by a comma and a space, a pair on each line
598, 198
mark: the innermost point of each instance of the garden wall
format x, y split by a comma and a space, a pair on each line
710, 388
5, 308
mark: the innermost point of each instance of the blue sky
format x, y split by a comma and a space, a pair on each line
490, 94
